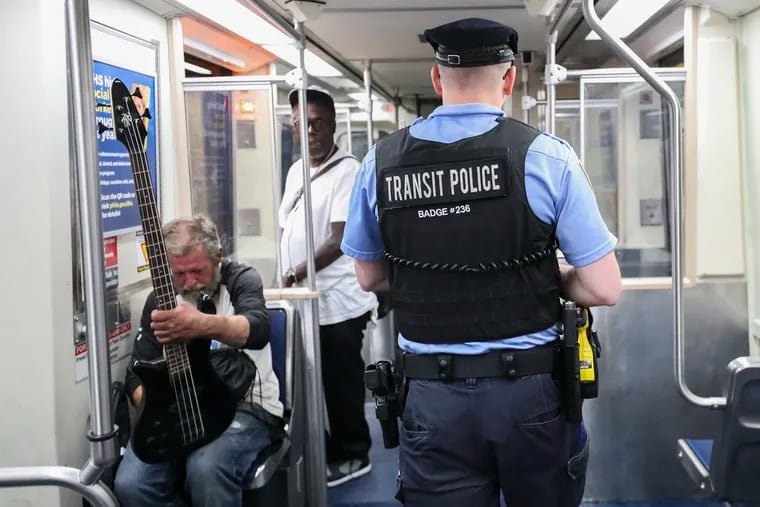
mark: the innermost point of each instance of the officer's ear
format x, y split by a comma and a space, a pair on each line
509, 79
435, 77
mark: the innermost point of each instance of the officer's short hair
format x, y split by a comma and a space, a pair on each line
313, 97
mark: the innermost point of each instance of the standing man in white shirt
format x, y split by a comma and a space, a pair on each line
344, 309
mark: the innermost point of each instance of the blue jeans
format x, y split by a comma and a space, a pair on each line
463, 442
213, 475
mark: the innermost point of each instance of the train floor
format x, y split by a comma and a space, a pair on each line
377, 488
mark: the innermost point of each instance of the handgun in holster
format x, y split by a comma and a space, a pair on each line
579, 351
389, 390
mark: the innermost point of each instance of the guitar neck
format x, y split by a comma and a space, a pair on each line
130, 130
160, 271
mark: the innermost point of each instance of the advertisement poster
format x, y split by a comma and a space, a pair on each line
118, 314
118, 202
111, 256
119, 322
142, 254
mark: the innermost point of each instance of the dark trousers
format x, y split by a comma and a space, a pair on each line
343, 380
463, 442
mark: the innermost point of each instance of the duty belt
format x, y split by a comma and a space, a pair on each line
503, 363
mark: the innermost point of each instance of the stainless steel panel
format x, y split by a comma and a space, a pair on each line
639, 416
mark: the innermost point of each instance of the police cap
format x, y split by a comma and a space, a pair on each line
472, 42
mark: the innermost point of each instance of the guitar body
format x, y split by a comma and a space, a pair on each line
164, 430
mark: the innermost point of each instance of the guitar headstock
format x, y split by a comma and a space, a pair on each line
127, 120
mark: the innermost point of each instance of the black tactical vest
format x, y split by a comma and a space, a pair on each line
469, 259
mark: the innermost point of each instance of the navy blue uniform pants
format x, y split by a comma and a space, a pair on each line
465, 441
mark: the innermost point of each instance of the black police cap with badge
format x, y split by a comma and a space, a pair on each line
472, 42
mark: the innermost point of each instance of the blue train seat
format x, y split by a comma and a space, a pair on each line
283, 459
727, 468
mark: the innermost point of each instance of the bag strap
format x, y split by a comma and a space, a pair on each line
297, 196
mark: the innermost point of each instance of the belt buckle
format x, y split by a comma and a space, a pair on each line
509, 363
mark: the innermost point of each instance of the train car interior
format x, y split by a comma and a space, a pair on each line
659, 100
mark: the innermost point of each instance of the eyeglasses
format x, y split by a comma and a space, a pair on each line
318, 124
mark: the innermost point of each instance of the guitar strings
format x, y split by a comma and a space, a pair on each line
177, 361
172, 353
134, 147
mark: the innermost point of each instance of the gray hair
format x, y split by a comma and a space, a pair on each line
184, 235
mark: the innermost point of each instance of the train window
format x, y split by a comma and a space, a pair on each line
358, 142
625, 153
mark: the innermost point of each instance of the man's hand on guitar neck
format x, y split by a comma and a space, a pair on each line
187, 323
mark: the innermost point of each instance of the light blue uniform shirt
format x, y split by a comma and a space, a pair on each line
558, 193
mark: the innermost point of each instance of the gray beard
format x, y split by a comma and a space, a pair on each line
192, 294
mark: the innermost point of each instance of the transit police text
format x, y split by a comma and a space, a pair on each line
432, 184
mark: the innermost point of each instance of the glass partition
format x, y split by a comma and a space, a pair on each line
625, 153
345, 137
290, 151
232, 156
567, 123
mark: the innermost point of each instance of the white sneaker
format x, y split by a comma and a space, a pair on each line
343, 471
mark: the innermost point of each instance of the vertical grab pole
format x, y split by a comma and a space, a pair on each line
524, 80
82, 140
396, 105
349, 131
551, 61
368, 91
551, 87
676, 172
316, 474
103, 450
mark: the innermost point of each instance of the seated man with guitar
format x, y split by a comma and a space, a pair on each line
201, 376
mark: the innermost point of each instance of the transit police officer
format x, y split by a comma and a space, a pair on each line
459, 216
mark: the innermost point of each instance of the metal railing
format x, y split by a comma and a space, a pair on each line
315, 454
551, 60
676, 172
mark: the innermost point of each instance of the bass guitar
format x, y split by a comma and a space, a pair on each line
185, 403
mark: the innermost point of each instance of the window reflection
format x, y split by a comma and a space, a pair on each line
625, 156
230, 136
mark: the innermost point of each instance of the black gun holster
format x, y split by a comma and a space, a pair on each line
389, 390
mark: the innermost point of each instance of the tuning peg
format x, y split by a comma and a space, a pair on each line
102, 128
146, 114
137, 93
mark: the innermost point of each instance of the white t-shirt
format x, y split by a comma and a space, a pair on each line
266, 387
340, 297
